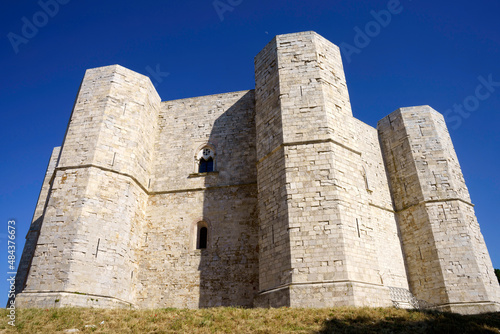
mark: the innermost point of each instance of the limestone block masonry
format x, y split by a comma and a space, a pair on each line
270, 197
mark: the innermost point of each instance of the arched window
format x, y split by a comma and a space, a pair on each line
201, 235
206, 160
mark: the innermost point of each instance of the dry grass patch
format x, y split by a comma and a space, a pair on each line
239, 320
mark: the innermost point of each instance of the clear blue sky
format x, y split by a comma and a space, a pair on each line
431, 52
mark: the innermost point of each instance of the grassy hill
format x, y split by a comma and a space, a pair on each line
239, 320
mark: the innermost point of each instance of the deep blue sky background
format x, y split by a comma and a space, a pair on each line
433, 52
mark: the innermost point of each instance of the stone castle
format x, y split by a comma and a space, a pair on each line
270, 197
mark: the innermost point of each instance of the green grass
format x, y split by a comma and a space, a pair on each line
239, 320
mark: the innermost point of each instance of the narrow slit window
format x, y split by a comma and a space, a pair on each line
202, 238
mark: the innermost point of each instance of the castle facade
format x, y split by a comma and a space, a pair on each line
270, 197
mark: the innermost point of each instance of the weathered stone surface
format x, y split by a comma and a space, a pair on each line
322, 226
447, 260
306, 206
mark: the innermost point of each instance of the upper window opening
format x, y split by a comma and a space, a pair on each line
206, 160
206, 165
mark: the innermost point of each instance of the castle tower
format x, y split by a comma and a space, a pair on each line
448, 263
324, 234
85, 254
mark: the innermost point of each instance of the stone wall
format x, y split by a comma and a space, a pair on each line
225, 121
173, 272
380, 214
274, 244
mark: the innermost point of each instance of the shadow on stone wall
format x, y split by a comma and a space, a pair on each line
27, 255
229, 265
